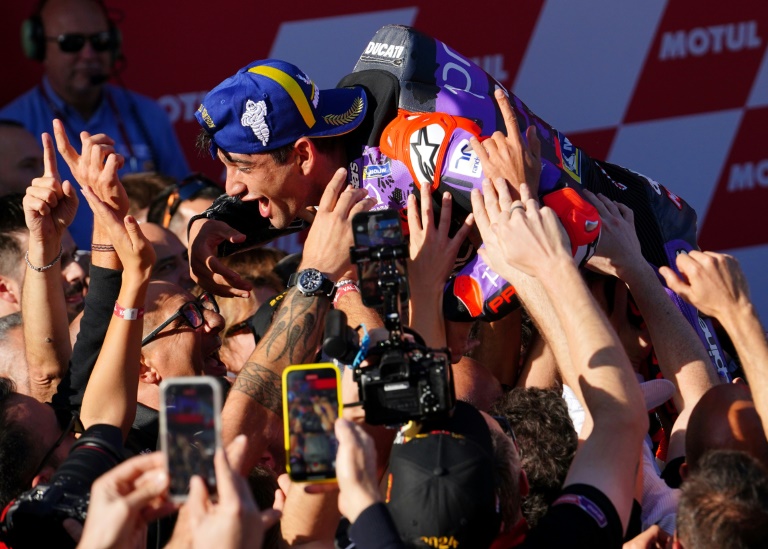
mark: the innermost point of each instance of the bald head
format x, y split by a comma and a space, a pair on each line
725, 419
157, 306
76, 76
172, 263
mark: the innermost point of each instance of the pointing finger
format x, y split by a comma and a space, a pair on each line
67, 151
510, 120
50, 169
331, 193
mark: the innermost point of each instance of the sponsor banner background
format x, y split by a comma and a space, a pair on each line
666, 87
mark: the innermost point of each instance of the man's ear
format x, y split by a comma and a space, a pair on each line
147, 374
305, 154
684, 470
9, 290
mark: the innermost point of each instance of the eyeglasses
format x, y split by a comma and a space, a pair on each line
192, 312
74, 42
73, 426
507, 428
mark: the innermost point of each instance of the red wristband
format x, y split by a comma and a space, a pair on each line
343, 287
128, 314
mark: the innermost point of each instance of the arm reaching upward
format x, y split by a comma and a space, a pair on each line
528, 239
715, 284
49, 208
254, 405
110, 395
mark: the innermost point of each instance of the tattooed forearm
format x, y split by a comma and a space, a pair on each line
262, 385
293, 338
294, 332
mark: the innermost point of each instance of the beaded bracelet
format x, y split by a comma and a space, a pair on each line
44, 267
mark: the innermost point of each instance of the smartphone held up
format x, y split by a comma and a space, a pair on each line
190, 431
380, 253
311, 404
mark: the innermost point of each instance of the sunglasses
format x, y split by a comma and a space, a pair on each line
74, 425
188, 188
507, 428
192, 313
74, 42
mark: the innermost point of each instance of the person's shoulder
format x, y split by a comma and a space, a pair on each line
20, 105
581, 516
141, 101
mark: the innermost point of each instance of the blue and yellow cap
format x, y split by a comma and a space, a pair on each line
271, 103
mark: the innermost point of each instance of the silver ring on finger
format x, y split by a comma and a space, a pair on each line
516, 207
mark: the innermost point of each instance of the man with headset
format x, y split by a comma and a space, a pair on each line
78, 46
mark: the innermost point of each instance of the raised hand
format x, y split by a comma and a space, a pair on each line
206, 268
90, 169
124, 500
132, 247
432, 251
356, 477
713, 283
330, 236
619, 248
356, 469
235, 521
517, 234
508, 156
49, 204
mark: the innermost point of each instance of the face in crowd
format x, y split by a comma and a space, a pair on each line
75, 76
189, 344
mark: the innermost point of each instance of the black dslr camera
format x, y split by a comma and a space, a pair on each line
410, 381
35, 518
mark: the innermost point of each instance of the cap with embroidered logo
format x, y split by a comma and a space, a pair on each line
442, 484
271, 103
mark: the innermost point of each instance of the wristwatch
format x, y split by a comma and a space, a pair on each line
311, 282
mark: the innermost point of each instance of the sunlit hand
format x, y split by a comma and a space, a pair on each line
521, 235
619, 248
132, 247
713, 283
508, 156
90, 169
206, 268
49, 205
124, 500
330, 236
432, 251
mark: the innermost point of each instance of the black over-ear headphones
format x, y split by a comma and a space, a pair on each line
33, 40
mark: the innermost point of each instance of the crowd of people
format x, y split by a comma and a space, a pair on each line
592, 415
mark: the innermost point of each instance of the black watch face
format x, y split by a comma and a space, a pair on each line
310, 281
